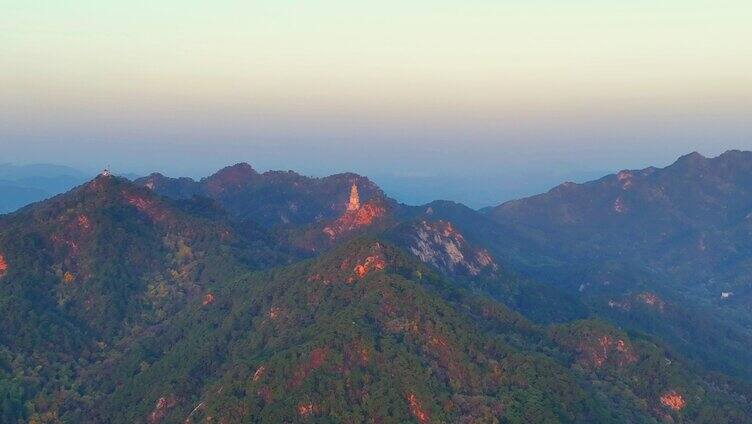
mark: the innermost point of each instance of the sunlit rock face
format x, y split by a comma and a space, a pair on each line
625, 178
354, 219
356, 215
354, 266
438, 243
306, 409
673, 401
416, 409
374, 262
354, 203
163, 405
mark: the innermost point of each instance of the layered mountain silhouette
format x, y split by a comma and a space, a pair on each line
274, 297
677, 235
21, 185
271, 198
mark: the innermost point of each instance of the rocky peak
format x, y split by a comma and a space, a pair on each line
694, 156
230, 177
691, 160
356, 215
105, 182
152, 180
176, 188
354, 203
438, 243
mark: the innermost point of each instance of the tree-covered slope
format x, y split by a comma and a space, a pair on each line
679, 234
368, 334
121, 305
84, 270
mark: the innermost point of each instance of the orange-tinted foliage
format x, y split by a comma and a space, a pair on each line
147, 206
651, 299
417, 410
3, 264
596, 353
673, 400
83, 222
315, 361
445, 354
274, 312
208, 299
376, 263
356, 353
305, 409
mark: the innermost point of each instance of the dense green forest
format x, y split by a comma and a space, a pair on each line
122, 305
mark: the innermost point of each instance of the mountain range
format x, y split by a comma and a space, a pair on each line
21, 185
274, 297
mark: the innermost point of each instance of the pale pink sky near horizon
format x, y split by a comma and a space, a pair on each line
518, 94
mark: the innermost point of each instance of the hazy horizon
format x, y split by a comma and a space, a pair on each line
452, 95
476, 191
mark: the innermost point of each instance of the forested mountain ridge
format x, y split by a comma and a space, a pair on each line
271, 198
662, 250
92, 267
274, 297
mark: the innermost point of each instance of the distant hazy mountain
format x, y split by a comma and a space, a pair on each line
16, 172
24, 184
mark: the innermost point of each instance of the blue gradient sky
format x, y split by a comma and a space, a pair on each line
476, 100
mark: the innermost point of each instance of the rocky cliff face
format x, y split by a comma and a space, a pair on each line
439, 244
354, 203
356, 216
